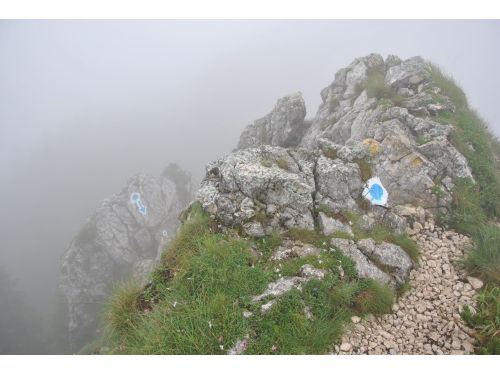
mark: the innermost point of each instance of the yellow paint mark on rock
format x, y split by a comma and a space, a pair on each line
417, 162
373, 146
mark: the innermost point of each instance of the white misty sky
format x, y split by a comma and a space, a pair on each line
86, 104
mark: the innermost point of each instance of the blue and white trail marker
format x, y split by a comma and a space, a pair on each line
135, 198
375, 192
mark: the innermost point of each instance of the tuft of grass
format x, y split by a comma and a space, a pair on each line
365, 169
486, 321
185, 244
374, 298
466, 213
122, 312
403, 288
376, 88
483, 259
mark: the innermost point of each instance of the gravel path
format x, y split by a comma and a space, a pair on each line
426, 319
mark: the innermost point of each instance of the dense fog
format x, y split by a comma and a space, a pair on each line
84, 105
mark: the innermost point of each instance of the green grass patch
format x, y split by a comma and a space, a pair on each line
374, 298
267, 244
486, 321
123, 310
483, 259
308, 236
472, 137
473, 204
438, 191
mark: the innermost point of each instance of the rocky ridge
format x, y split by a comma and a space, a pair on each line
376, 119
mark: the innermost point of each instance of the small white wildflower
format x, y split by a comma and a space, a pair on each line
174, 304
209, 324
221, 347
320, 261
276, 270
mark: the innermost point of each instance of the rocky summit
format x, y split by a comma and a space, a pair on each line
375, 120
122, 239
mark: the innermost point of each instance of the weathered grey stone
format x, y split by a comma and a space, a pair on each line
476, 283
390, 256
329, 225
309, 272
279, 287
364, 266
267, 176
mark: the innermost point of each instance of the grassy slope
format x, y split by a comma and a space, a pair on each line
475, 205
196, 302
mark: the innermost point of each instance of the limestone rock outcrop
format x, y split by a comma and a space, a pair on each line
123, 238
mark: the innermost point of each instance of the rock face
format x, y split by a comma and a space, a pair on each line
284, 126
122, 238
391, 129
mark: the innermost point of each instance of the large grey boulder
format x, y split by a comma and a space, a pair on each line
121, 239
283, 126
384, 262
260, 189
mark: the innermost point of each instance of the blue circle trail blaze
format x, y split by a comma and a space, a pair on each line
376, 192
135, 198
